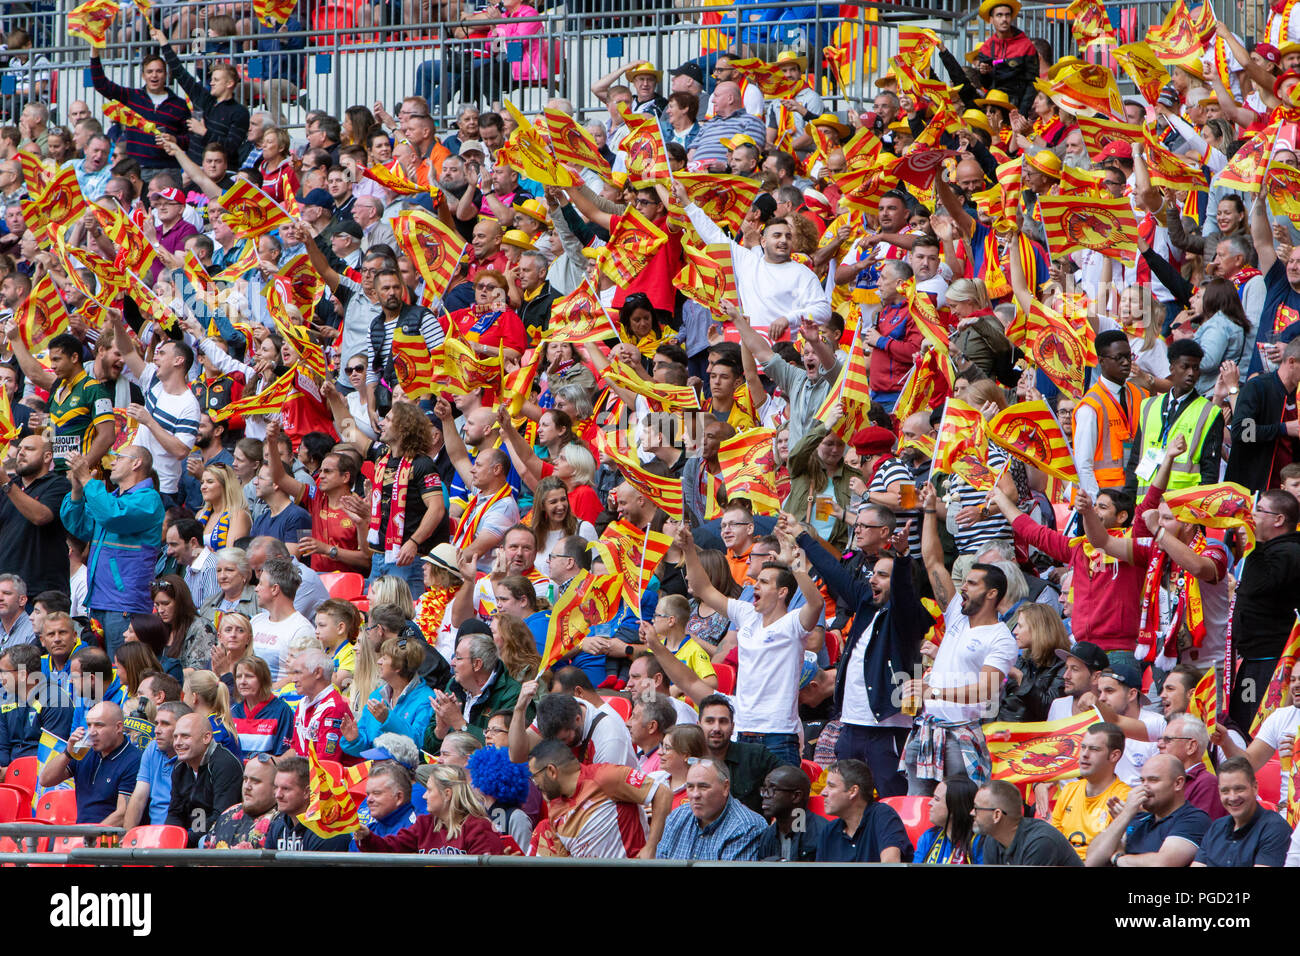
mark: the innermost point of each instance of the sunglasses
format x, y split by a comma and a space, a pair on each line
355, 369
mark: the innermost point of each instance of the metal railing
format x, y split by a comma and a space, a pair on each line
332, 64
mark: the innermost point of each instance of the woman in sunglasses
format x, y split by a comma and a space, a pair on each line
489, 323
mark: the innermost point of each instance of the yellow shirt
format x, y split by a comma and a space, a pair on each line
695, 657
345, 658
1081, 817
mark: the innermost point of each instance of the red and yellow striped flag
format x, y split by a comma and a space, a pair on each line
1027, 754
1275, 692
268, 400
647, 157
250, 212
331, 809
631, 245
588, 600
769, 77
661, 397
928, 384
303, 284
1105, 225
1204, 702
392, 177
273, 13
1245, 171
839, 59
633, 555
529, 152
519, 383
413, 364
723, 198
1097, 131
35, 175
1089, 24
1176, 41
709, 276
90, 21
580, 318
1030, 432
917, 45
1057, 347
666, 492
8, 430
1168, 170
1223, 505
1143, 67
847, 390
1282, 187
42, 315
310, 354
571, 142
247, 259
433, 246
465, 371
747, 466
123, 115
59, 204
961, 432
921, 309
134, 251
1086, 88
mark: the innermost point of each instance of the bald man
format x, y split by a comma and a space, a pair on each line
490, 512
206, 780
1156, 826
31, 534
729, 120
104, 777
969, 177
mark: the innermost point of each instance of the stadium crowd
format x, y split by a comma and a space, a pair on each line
323, 493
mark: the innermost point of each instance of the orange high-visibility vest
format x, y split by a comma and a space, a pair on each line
1115, 431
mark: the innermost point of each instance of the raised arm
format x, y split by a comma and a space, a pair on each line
1261, 233
678, 673
581, 197
134, 360
521, 453
197, 176
960, 217
286, 482
701, 587
452, 440
36, 373
932, 548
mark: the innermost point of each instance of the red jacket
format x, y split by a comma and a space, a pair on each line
893, 353
320, 722
476, 838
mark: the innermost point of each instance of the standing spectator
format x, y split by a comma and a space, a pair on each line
93, 171
224, 120
154, 103
31, 533
124, 528
1264, 425
197, 564
278, 623
713, 825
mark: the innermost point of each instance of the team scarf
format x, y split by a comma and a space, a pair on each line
1097, 560
433, 605
1244, 275
392, 535
1191, 609
467, 530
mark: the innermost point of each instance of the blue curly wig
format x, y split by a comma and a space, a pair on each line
492, 774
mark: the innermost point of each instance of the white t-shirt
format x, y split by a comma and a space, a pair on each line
178, 414
685, 712
964, 651
586, 530
1276, 725
1061, 708
769, 658
500, 518
1137, 752
857, 707
271, 639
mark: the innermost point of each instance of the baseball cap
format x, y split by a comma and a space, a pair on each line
1129, 676
318, 197
170, 194
1116, 149
350, 228
380, 753
472, 146
1169, 96
1093, 657
689, 69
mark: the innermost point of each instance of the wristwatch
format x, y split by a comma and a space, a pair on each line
1233, 390
334, 552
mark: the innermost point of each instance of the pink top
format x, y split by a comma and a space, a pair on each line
536, 61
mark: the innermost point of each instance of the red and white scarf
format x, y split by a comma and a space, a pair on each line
394, 532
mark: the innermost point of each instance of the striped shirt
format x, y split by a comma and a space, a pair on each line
178, 415
430, 328
734, 835
708, 145
170, 115
972, 538
893, 470
77, 405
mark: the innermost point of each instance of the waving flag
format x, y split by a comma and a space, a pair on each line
1030, 432
269, 399
724, 198
8, 430
247, 259
631, 245
393, 178
1057, 347
769, 77
851, 390
1282, 187
918, 167
588, 600
840, 61
1143, 67
1105, 225
250, 212
922, 311
1275, 693
1027, 754
274, 13
633, 555
1204, 701
666, 492
42, 315
709, 276
1086, 88
433, 246
961, 432
465, 371
1089, 24
1097, 131
580, 318
1223, 505
90, 21
61, 201
927, 385
49, 745
659, 396
571, 142
310, 354
413, 364
331, 809
1176, 41
123, 115
530, 153
917, 45
1245, 171
35, 175
519, 383
1170, 171
747, 465
647, 157
134, 251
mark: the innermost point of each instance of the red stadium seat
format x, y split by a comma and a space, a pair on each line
344, 585
23, 773
10, 800
24, 798
813, 770
817, 805
726, 678
620, 704
57, 806
155, 838
61, 845
1269, 778
915, 812
834, 645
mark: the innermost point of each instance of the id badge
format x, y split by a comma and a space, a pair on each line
1150, 464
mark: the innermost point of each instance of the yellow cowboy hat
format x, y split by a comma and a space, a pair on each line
593, 252
1046, 162
791, 57
900, 126
831, 121
741, 140
535, 210
636, 69
1061, 64
996, 98
978, 120
887, 82
517, 238
988, 6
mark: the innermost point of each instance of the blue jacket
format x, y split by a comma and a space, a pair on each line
399, 819
20, 730
125, 534
409, 716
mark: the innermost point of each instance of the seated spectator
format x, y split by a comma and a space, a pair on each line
1157, 825
322, 714
504, 788
153, 784
1249, 835
456, 824
479, 687
867, 831
1011, 838
652, 716
206, 778
388, 800
287, 831
245, 825
794, 832
401, 704
951, 839
20, 715
104, 777
263, 722
713, 825
1083, 806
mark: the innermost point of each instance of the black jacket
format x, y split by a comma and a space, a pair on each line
1256, 429
903, 627
199, 798
535, 313
226, 121
1029, 698
1268, 597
